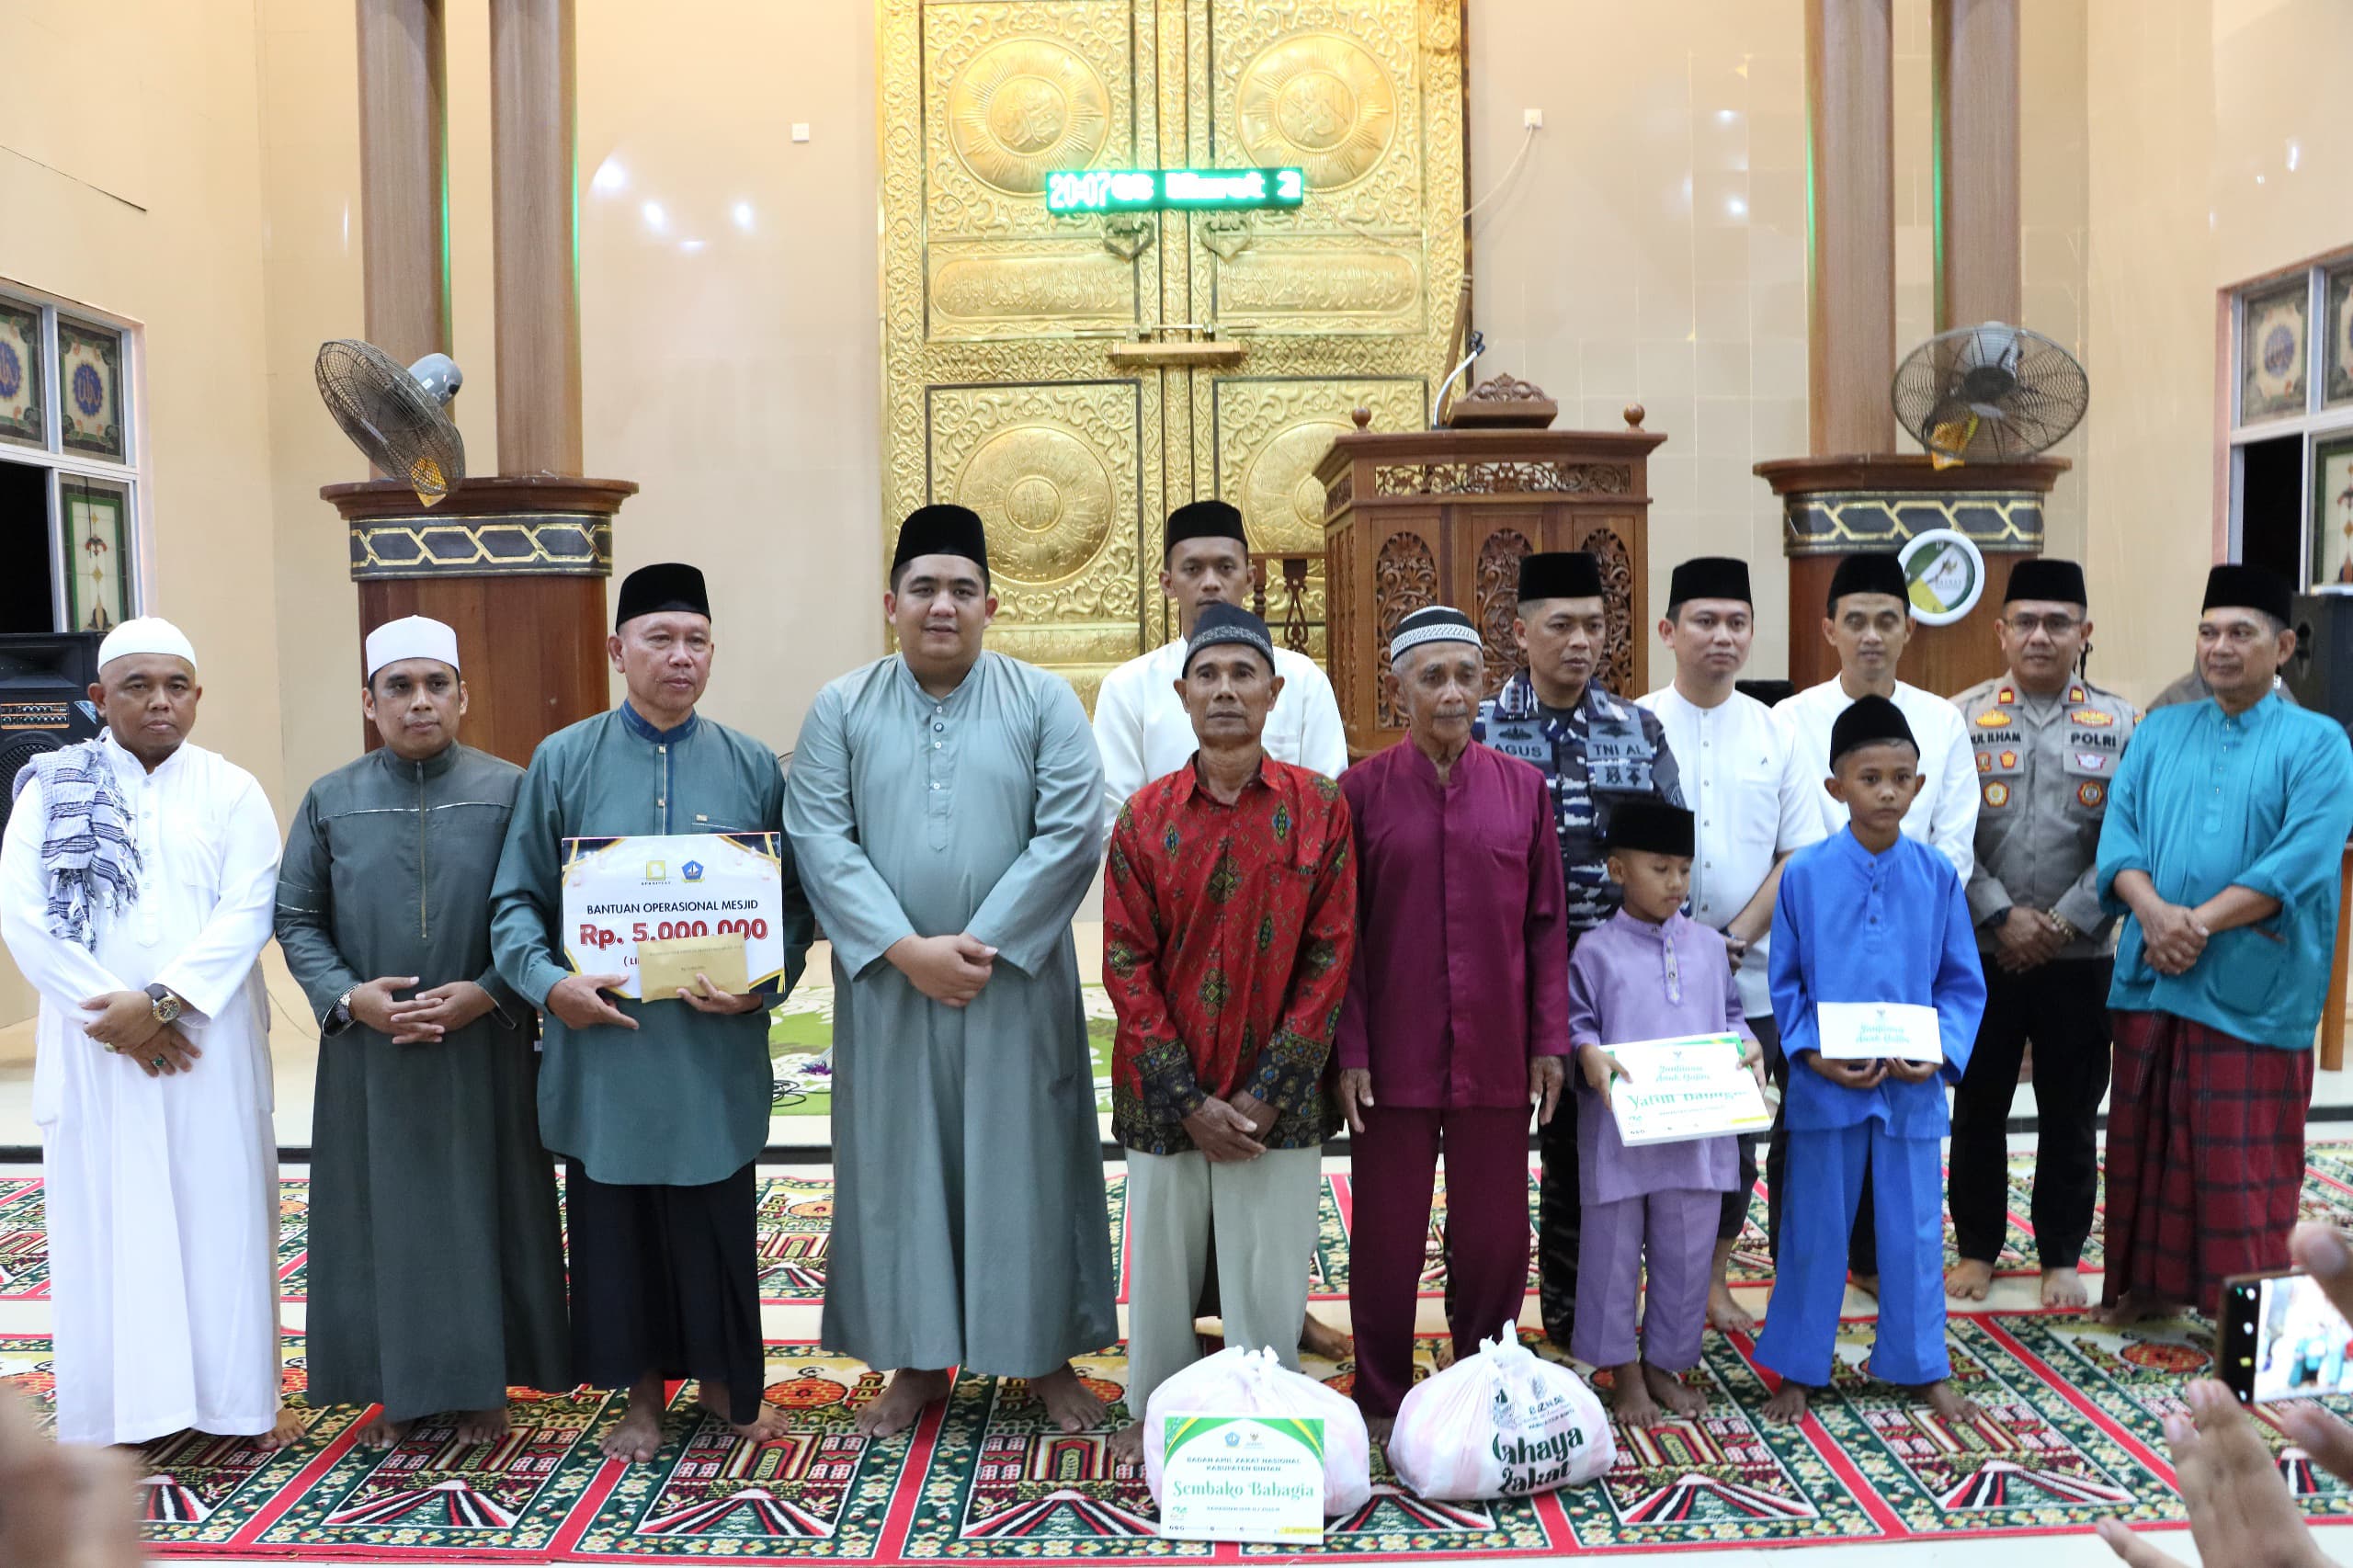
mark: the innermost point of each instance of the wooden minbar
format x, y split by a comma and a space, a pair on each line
1418, 517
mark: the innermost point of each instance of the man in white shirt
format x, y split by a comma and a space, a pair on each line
1753, 795
137, 880
1868, 620
1141, 729
1142, 733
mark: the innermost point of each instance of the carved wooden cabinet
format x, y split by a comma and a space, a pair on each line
1442, 517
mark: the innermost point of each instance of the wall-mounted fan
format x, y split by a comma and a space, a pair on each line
398, 415
1989, 393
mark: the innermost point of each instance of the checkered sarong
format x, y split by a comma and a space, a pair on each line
2205, 1157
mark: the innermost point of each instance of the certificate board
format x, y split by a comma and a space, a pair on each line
620, 892
1862, 1031
1252, 1478
1678, 1090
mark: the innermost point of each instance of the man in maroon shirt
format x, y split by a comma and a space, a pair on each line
1457, 1011
1228, 925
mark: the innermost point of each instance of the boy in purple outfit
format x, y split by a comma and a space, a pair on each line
1652, 972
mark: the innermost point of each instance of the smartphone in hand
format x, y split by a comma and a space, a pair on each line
2283, 1339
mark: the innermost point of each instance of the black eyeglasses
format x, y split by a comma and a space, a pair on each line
2054, 625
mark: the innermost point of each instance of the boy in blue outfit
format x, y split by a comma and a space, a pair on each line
1868, 915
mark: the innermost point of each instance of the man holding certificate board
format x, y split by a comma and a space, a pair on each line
1878, 992
651, 834
1670, 1081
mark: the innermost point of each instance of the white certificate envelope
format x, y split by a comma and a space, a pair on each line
1678, 1090
1860, 1031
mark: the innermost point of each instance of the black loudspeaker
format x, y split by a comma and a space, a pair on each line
2320, 673
44, 700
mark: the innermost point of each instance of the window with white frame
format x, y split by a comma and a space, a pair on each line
69, 467
2291, 424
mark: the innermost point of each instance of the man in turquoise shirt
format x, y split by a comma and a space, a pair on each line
660, 1107
2220, 849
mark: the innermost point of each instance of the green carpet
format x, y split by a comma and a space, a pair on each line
800, 1033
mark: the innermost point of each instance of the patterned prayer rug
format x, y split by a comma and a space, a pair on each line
2069, 1433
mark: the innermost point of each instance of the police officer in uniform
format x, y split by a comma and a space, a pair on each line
1595, 750
2046, 744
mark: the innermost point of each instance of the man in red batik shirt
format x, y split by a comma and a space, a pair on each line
1227, 924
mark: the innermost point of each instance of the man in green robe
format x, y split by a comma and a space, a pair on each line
946, 808
659, 1107
436, 1261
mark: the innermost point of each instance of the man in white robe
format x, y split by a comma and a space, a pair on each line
137, 877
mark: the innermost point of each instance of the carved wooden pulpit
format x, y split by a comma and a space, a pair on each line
1442, 517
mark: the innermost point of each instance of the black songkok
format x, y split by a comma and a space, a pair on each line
942, 531
1869, 722
1709, 577
2231, 587
1876, 573
665, 586
1220, 622
1205, 519
1560, 574
1652, 827
2041, 577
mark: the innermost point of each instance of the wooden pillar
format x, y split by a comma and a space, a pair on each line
1974, 64
535, 210
403, 244
1851, 178
515, 564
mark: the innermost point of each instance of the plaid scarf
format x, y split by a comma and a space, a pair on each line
86, 851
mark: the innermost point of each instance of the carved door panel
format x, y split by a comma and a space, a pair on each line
999, 319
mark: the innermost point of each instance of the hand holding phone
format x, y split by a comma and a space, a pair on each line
2282, 1338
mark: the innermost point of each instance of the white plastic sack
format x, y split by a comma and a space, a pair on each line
1504, 1422
1236, 1382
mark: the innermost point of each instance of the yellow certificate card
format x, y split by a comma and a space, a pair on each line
663, 969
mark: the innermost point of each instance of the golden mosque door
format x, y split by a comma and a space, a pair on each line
1072, 379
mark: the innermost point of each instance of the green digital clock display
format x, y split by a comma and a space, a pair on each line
1174, 191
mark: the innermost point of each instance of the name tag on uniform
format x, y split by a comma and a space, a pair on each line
1863, 1031
662, 891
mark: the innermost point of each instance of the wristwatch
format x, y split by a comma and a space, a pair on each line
2068, 931
340, 1019
163, 1004
2000, 917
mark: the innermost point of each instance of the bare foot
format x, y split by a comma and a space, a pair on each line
1378, 1428
1127, 1443
1787, 1407
639, 1437
766, 1426
1969, 1279
1630, 1397
486, 1425
1726, 1314
285, 1435
1949, 1402
2063, 1287
1071, 1402
2133, 1306
1320, 1339
898, 1407
382, 1433
1867, 1283
1679, 1397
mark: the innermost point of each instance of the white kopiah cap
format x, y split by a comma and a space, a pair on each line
411, 637
146, 634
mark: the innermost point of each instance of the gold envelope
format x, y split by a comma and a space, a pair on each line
663, 969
